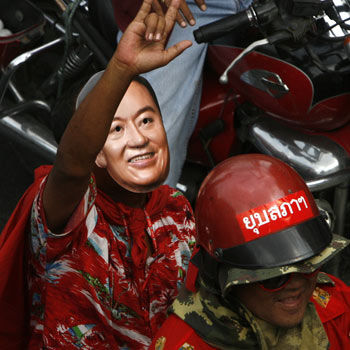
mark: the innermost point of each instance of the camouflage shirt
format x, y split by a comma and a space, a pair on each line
235, 327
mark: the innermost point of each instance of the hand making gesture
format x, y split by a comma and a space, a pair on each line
142, 47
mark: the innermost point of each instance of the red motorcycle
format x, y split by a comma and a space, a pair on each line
279, 83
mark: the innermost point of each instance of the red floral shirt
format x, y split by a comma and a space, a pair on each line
95, 286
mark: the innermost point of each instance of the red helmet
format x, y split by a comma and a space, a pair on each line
254, 211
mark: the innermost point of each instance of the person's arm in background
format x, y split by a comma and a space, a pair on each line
184, 13
88, 129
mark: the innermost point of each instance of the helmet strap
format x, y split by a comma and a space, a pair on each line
202, 265
209, 271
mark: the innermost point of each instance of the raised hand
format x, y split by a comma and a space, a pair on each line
142, 47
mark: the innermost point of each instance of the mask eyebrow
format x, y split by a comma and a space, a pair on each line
139, 112
145, 109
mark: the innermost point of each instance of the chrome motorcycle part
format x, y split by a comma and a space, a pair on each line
313, 156
326, 211
250, 48
264, 80
19, 61
27, 130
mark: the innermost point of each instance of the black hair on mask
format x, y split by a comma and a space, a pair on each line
70, 100
143, 81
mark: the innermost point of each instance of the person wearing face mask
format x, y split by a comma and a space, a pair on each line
254, 280
107, 245
178, 85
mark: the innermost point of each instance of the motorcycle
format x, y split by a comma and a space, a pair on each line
276, 81
50, 46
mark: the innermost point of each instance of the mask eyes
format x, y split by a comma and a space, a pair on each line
147, 120
144, 121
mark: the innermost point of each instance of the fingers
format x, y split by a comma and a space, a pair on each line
201, 4
180, 20
177, 49
144, 10
187, 14
184, 14
154, 27
171, 15
157, 25
157, 8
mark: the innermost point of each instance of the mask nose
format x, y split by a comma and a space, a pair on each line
136, 138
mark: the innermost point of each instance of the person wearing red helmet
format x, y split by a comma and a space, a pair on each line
254, 281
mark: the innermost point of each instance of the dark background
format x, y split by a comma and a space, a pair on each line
17, 162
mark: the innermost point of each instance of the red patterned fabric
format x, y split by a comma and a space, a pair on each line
93, 287
13, 306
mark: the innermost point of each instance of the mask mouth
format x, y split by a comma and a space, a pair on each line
288, 246
141, 157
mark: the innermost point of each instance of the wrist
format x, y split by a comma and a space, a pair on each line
122, 69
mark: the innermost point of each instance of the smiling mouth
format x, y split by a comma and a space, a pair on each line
291, 302
141, 157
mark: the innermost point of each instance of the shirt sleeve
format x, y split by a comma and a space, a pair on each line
83, 218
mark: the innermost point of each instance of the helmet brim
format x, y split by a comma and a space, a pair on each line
288, 246
232, 276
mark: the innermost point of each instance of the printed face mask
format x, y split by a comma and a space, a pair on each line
136, 152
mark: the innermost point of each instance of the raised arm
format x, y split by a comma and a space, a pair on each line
88, 129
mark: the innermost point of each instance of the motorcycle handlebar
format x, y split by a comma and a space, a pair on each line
219, 28
259, 14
